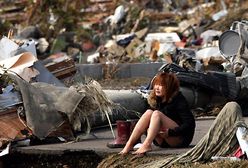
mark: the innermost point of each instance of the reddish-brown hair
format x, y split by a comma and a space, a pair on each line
170, 84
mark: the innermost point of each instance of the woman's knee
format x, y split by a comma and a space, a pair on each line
148, 113
156, 114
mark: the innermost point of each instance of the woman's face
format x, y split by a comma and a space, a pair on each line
159, 90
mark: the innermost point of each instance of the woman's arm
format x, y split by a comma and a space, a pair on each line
184, 115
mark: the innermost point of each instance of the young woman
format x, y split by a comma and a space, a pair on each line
168, 121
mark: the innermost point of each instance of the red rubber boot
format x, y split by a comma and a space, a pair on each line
123, 134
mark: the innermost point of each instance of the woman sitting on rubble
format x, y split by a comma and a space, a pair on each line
168, 121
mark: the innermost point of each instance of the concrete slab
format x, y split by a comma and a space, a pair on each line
104, 136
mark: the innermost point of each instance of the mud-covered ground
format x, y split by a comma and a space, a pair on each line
131, 161
94, 160
67, 160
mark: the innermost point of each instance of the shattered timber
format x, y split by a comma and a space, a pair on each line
70, 69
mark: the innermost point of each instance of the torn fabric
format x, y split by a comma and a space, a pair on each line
44, 102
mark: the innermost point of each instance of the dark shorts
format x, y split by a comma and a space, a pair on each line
164, 144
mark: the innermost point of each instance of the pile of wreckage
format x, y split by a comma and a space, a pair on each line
37, 107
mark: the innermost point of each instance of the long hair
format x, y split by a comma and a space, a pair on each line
170, 84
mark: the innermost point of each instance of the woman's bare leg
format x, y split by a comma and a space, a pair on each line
138, 130
158, 121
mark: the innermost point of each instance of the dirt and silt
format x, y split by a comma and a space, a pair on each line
90, 159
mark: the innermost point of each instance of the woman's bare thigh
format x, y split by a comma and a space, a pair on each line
168, 123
